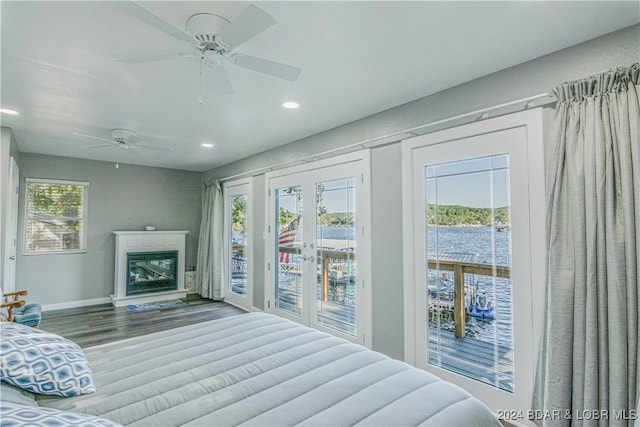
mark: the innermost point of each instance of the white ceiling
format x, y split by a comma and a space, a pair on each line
357, 58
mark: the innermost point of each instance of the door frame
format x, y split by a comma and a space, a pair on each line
240, 186
11, 228
531, 122
363, 224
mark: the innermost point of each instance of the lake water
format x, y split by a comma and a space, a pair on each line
483, 245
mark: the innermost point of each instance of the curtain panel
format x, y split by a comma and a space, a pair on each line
588, 366
209, 270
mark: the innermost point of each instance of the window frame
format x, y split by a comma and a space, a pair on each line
531, 121
229, 189
83, 218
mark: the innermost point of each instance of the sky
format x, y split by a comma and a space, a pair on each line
478, 183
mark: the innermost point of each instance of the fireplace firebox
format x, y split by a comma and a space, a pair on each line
149, 272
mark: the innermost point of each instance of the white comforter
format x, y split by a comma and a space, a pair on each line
259, 369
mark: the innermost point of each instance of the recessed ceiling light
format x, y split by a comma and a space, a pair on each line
291, 105
8, 111
207, 145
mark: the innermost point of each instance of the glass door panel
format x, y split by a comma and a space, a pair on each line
289, 259
469, 298
237, 205
335, 292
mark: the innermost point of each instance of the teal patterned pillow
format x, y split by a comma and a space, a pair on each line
43, 362
13, 414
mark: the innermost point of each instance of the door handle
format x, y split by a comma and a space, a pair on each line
12, 258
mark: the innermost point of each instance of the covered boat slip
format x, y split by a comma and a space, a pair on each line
260, 369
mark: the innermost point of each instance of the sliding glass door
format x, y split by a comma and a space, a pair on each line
317, 242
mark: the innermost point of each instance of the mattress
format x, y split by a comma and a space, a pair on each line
258, 369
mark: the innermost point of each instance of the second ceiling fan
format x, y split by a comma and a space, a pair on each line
215, 38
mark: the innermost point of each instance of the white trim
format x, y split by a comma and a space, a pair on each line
130, 233
84, 218
320, 164
57, 181
73, 304
408, 260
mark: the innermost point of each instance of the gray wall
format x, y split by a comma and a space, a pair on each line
534, 77
127, 198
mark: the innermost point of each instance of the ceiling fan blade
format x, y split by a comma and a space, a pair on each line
221, 82
98, 146
133, 139
251, 22
137, 59
149, 148
93, 137
275, 69
135, 9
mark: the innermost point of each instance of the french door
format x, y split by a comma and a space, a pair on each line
474, 271
317, 246
238, 241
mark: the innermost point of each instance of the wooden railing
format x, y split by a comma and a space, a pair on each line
325, 257
459, 269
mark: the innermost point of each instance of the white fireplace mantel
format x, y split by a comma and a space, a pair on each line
146, 241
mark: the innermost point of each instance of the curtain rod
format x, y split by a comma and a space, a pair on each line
540, 100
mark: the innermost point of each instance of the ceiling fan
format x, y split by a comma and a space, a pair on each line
214, 39
123, 139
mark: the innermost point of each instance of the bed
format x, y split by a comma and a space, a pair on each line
259, 369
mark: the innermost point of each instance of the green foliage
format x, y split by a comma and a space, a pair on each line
285, 217
336, 218
465, 215
239, 213
57, 208
61, 200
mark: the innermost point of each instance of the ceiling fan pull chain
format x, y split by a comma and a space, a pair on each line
201, 65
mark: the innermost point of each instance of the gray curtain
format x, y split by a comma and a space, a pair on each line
209, 269
589, 353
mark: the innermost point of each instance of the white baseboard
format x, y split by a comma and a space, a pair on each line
72, 304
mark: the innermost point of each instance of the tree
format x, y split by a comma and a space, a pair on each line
466, 215
239, 213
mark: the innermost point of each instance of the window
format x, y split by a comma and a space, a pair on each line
238, 243
55, 216
474, 243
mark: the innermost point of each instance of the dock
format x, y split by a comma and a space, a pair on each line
486, 362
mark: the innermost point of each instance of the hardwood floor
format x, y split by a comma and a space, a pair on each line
99, 324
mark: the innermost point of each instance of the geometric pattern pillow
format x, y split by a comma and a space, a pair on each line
19, 415
43, 362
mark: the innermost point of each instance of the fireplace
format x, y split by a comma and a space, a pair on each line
149, 266
150, 272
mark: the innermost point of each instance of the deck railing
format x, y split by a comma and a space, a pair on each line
459, 269
324, 258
